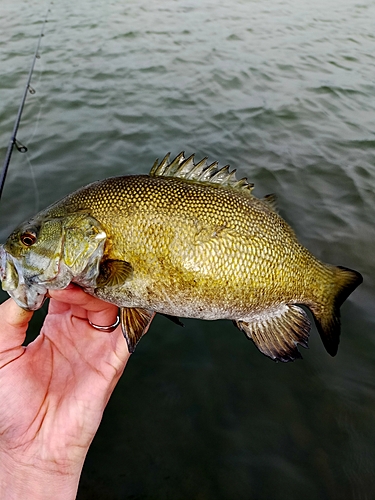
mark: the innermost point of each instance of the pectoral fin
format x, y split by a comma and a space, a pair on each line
113, 273
276, 332
135, 322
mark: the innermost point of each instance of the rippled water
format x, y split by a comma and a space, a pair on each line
284, 92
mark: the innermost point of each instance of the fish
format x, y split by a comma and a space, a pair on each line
187, 240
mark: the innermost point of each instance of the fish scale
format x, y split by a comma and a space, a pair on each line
187, 240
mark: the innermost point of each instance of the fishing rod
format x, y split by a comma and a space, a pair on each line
13, 139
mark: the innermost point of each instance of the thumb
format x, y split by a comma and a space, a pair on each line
13, 325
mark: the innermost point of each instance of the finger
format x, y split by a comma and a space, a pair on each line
76, 296
83, 305
14, 323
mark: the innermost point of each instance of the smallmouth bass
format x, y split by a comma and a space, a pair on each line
187, 240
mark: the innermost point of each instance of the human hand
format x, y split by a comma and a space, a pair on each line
53, 392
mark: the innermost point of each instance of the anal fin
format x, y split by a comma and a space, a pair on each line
277, 331
135, 322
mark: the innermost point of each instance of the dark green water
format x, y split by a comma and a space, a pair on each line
284, 92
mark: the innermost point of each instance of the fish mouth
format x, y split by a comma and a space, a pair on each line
28, 277
2, 263
26, 295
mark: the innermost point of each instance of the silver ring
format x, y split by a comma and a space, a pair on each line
108, 329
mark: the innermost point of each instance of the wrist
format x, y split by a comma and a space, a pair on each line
20, 480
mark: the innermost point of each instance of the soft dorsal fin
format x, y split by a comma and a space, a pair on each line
271, 200
185, 168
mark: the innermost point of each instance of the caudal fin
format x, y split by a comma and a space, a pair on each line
327, 315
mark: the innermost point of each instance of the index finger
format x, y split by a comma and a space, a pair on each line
82, 305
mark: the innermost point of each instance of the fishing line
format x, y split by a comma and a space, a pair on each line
35, 185
29, 141
28, 88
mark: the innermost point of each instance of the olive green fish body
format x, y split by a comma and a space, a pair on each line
191, 241
191, 245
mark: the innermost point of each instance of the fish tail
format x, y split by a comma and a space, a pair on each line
327, 313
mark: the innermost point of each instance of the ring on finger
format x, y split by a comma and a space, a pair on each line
108, 329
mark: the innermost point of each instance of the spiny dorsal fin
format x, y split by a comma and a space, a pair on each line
185, 168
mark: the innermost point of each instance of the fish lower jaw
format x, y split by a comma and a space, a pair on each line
30, 299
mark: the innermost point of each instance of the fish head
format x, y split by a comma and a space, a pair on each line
48, 252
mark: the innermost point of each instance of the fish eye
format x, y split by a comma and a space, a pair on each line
28, 238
